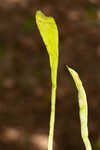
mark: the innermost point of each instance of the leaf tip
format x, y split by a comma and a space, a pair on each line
75, 77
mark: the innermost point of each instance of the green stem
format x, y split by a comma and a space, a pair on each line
53, 103
52, 119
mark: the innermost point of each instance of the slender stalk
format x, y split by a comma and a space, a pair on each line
52, 119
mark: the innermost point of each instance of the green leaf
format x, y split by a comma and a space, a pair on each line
83, 108
49, 33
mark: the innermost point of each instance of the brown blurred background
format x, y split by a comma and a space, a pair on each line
25, 84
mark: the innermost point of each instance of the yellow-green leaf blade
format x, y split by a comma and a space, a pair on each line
83, 106
49, 32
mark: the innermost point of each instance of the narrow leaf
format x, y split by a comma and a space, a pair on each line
83, 108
